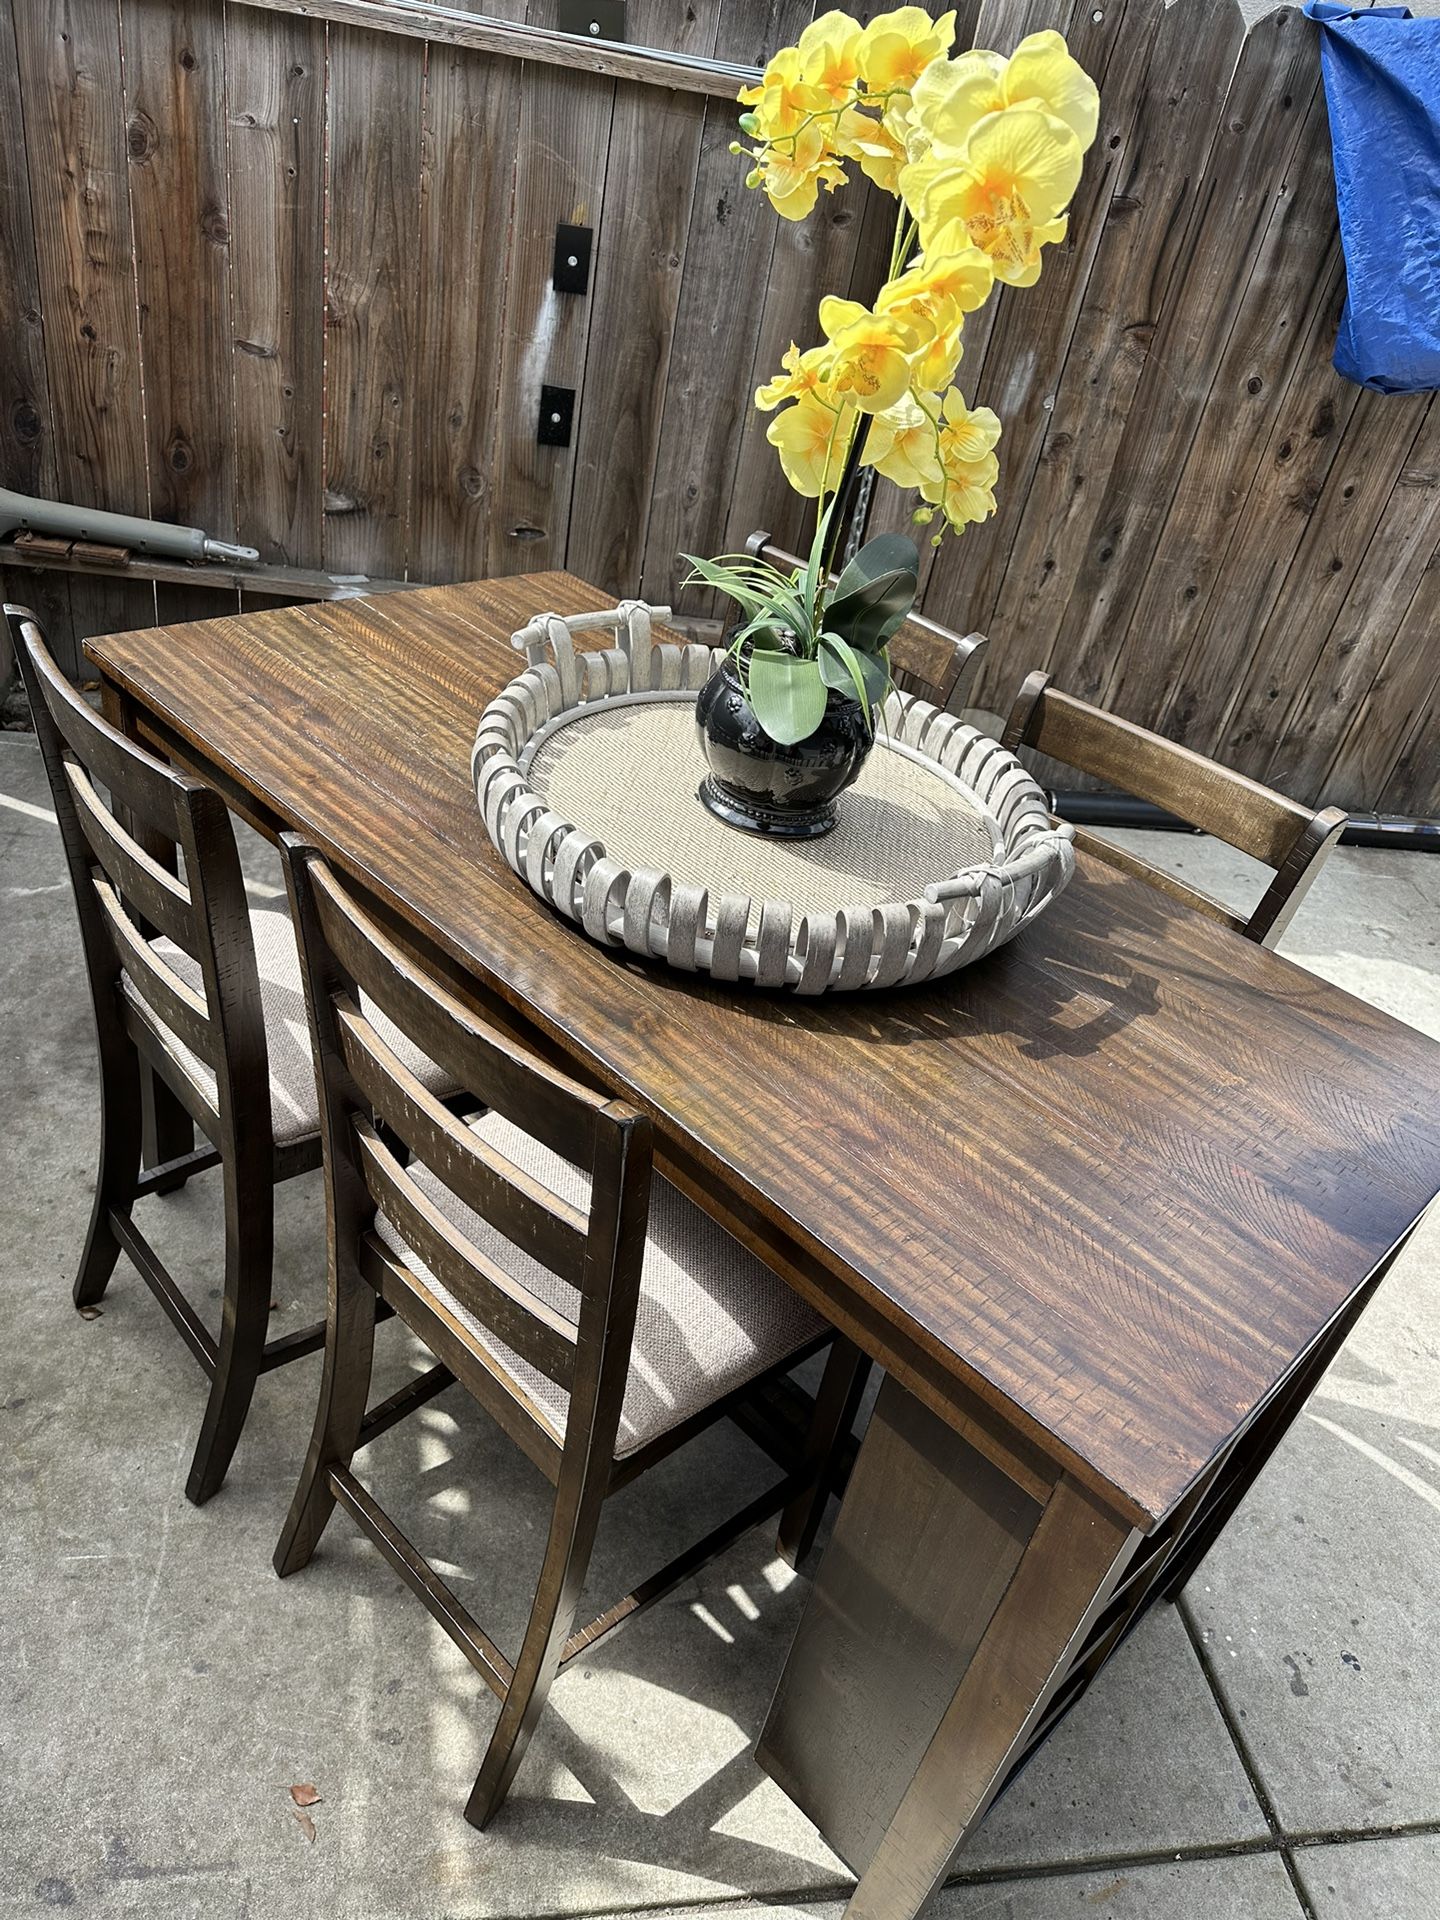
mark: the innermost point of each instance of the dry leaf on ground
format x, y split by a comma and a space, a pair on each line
304, 1796
307, 1826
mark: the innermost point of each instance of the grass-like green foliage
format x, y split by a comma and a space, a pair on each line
804, 637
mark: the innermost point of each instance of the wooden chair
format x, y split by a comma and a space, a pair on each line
534, 1255
1293, 840
925, 658
188, 982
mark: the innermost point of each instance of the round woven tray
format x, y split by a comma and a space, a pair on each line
586, 770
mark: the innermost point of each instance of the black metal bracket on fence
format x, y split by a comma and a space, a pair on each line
592, 19
557, 416
1403, 832
571, 270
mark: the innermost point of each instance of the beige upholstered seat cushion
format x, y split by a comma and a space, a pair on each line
294, 1103
710, 1316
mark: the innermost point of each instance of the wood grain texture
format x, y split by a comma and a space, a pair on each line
74, 127
1279, 666
175, 131
1263, 117
562, 146
1305, 439
928, 1538
1149, 213
275, 118
717, 324
1104, 1226
1015, 351
644, 225
1342, 678
1377, 747
472, 110
1168, 529
415, 20
1296, 267
373, 136
27, 453
27, 456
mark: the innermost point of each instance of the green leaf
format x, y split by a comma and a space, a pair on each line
727, 581
866, 675
867, 615
787, 695
886, 553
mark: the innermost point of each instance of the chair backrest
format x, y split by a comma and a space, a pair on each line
925, 658
378, 1122
130, 885
1292, 839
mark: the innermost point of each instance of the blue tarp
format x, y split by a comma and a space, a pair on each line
1381, 70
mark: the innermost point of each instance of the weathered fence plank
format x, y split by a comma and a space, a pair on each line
275, 81
74, 127
472, 123
561, 147
1149, 214
717, 324
644, 224
375, 92
175, 122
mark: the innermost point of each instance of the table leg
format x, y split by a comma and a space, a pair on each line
945, 1614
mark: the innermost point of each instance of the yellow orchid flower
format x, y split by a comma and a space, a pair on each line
968, 495
829, 51
1020, 171
901, 445
880, 151
967, 434
869, 353
801, 375
896, 48
952, 97
793, 172
965, 489
812, 440
985, 153
1042, 72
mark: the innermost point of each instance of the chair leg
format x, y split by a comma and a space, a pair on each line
168, 1130
344, 1394
567, 1559
841, 1385
118, 1172
249, 1255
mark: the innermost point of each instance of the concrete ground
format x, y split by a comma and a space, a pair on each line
1270, 1748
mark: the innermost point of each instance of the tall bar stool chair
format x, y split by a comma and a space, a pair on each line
598, 1316
187, 983
925, 658
1295, 841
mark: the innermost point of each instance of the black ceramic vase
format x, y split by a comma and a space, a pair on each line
758, 785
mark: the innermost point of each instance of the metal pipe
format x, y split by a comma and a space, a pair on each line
21, 512
1401, 832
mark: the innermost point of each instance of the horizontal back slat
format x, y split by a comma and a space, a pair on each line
174, 1004
1235, 809
135, 779
547, 1104
525, 1323
140, 880
515, 1204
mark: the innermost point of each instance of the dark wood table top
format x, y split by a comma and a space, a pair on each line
1110, 1182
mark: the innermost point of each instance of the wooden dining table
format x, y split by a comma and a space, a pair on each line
1103, 1206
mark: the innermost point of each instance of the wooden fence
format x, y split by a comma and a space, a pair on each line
289, 278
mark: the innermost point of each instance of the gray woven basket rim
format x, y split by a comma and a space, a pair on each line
732, 936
